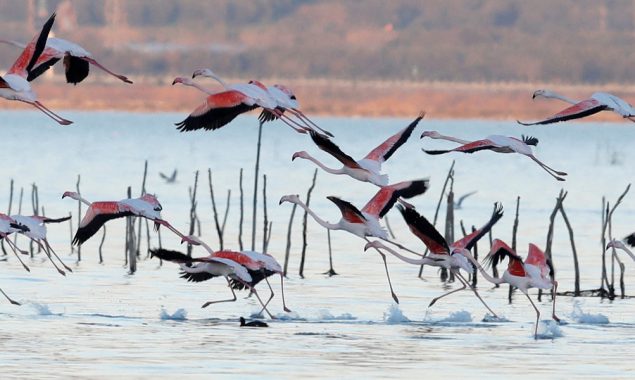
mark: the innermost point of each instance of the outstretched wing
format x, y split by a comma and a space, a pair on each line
576, 111
424, 230
472, 147
386, 197
349, 212
58, 220
388, 147
470, 240
218, 110
329, 147
630, 239
499, 251
25, 62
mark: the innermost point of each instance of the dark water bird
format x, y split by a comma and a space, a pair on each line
170, 179
459, 203
243, 323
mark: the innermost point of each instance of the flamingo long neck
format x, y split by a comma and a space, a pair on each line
14, 43
198, 86
630, 253
487, 276
320, 221
83, 200
409, 260
553, 95
450, 138
207, 247
325, 168
217, 78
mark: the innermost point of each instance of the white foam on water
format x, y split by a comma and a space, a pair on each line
458, 316
549, 329
327, 316
490, 318
178, 315
580, 316
41, 309
394, 315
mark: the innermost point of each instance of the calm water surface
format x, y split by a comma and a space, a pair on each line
101, 322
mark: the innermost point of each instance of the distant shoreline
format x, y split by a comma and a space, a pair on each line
496, 101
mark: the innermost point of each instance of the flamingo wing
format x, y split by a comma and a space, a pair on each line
76, 69
386, 197
29, 56
499, 251
256, 277
57, 220
170, 255
87, 230
267, 115
630, 239
4, 84
584, 108
388, 147
195, 273
41, 67
424, 230
329, 147
472, 147
470, 240
349, 212
218, 110
537, 257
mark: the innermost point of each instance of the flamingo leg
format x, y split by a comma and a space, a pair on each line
120, 77
284, 305
9, 298
553, 312
383, 257
270, 289
15, 250
287, 121
537, 315
206, 304
51, 114
179, 234
448, 293
462, 279
305, 119
48, 254
546, 167
264, 307
55, 254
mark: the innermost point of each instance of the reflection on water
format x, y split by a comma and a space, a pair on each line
100, 322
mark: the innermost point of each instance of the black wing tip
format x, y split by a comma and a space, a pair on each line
527, 124
434, 152
530, 140
170, 255
57, 220
630, 239
417, 187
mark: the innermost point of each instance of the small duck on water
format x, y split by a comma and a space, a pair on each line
243, 323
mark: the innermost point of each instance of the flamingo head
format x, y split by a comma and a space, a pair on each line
374, 244
293, 198
204, 73
293, 101
461, 256
431, 134
616, 244
301, 154
152, 200
258, 84
71, 194
543, 93
185, 81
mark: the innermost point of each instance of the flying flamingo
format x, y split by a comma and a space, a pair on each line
599, 101
259, 265
619, 245
367, 169
274, 101
535, 272
442, 254
36, 231
14, 85
199, 269
365, 223
8, 225
630, 239
76, 60
99, 213
499, 144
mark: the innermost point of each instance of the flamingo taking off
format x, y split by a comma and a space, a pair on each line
199, 269
599, 101
76, 60
367, 169
620, 245
36, 231
365, 223
99, 213
8, 225
442, 254
499, 144
535, 272
14, 85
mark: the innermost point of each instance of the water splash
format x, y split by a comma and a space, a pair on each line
581, 317
41, 309
549, 329
458, 316
178, 315
394, 315
327, 316
290, 316
490, 318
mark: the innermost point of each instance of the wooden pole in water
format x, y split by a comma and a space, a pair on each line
242, 210
219, 230
331, 272
287, 250
304, 225
510, 290
9, 213
436, 212
264, 211
255, 201
79, 217
143, 191
576, 265
192, 192
449, 228
132, 254
101, 244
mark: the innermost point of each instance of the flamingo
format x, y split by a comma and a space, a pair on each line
14, 85
36, 231
535, 272
199, 269
630, 239
170, 179
273, 100
619, 245
365, 223
442, 254
76, 60
499, 144
599, 101
99, 213
8, 225
367, 169
259, 265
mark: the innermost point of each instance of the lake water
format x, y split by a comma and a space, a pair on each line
100, 322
